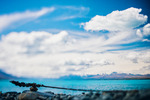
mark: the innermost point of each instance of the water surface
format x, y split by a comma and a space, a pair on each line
6, 86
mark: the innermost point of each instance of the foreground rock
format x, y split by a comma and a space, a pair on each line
105, 95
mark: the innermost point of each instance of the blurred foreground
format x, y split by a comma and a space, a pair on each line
103, 95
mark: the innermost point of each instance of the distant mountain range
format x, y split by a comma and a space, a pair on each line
113, 75
4, 75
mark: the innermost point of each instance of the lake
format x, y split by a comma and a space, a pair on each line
6, 86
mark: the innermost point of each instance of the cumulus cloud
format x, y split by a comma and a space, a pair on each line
146, 29
34, 42
43, 54
123, 26
117, 21
8, 19
139, 33
144, 33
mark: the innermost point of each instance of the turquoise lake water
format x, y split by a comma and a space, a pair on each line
6, 86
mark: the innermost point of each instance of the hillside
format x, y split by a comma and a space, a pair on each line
4, 75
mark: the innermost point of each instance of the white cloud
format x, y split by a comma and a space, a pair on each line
121, 26
42, 54
102, 62
88, 62
146, 67
143, 69
146, 29
136, 56
117, 21
144, 32
139, 33
8, 19
146, 40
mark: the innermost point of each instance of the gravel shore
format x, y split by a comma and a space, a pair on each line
104, 95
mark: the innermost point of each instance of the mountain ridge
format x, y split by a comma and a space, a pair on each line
4, 75
113, 75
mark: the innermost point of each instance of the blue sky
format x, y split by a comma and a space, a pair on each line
61, 37
93, 7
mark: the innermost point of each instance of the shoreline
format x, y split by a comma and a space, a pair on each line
102, 95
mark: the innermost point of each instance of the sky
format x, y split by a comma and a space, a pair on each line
53, 38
